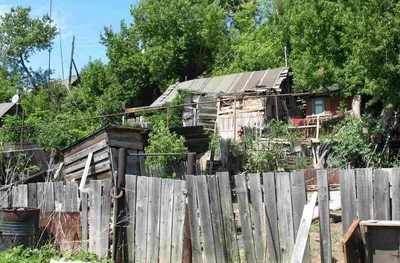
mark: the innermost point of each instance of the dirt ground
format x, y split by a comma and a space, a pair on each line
336, 234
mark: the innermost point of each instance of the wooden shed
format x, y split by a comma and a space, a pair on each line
99, 152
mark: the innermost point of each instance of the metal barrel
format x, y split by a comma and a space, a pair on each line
18, 226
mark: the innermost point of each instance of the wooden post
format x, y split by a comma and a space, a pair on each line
234, 120
86, 171
167, 117
84, 221
70, 64
276, 108
304, 228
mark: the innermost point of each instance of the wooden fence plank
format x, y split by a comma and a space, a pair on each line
193, 219
5, 198
205, 219
216, 219
365, 200
32, 195
285, 215
225, 194
84, 221
178, 221
20, 196
324, 224
258, 216
381, 192
141, 219
153, 218
130, 195
299, 200
167, 202
395, 179
105, 218
94, 217
40, 196
304, 228
348, 198
49, 197
270, 201
245, 217
59, 199
71, 194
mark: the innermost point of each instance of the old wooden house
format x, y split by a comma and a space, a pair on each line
225, 103
321, 109
98, 151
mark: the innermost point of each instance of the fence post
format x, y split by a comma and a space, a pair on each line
120, 237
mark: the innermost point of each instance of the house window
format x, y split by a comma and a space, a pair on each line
318, 106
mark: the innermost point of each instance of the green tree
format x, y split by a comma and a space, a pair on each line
358, 143
161, 140
167, 41
21, 36
353, 44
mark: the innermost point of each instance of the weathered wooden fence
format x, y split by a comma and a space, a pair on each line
49, 197
261, 200
244, 218
155, 219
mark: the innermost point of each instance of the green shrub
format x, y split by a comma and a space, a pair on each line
44, 254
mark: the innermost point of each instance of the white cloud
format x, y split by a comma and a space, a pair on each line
5, 9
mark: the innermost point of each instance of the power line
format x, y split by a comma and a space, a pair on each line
156, 108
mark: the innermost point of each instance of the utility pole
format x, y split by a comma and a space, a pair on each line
70, 64
49, 76
59, 30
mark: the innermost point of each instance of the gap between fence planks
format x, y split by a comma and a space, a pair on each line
299, 200
245, 217
273, 251
304, 228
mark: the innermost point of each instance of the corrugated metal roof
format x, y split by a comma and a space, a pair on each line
233, 83
5, 107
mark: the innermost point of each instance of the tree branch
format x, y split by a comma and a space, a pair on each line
32, 80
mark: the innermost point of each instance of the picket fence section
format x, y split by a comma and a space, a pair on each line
155, 219
261, 200
369, 194
49, 196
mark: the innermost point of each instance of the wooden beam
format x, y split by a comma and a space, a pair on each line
86, 171
58, 170
304, 228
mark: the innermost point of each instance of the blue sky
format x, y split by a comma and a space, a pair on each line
84, 19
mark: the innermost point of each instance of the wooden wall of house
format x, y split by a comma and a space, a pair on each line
332, 105
100, 166
100, 145
247, 112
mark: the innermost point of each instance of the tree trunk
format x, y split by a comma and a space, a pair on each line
356, 106
32, 80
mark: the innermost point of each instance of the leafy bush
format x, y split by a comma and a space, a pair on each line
257, 156
163, 141
44, 254
356, 142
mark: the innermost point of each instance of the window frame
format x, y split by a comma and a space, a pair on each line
314, 106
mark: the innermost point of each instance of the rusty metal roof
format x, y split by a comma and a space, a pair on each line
228, 84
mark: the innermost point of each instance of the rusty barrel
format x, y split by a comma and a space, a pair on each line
18, 226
